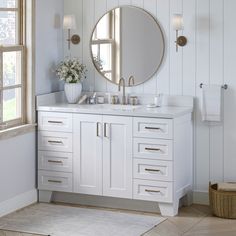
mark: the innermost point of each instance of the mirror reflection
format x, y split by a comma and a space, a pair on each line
127, 41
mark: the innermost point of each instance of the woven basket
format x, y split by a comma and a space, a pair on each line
222, 203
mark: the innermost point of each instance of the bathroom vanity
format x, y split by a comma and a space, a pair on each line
118, 151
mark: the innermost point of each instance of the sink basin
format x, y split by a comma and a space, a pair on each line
119, 107
116, 107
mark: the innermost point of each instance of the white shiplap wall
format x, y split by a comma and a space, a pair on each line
209, 58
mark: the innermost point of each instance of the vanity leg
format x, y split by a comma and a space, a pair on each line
45, 196
169, 209
187, 200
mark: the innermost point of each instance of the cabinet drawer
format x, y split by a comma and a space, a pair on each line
153, 170
55, 181
53, 121
153, 191
55, 161
153, 128
55, 141
153, 149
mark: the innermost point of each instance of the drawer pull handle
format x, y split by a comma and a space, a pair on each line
152, 128
106, 130
152, 191
55, 142
58, 162
153, 149
55, 122
55, 181
98, 129
152, 170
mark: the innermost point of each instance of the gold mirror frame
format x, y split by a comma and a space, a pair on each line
162, 36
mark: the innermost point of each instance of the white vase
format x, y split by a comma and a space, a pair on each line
73, 92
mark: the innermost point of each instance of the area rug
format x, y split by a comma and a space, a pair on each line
57, 220
14, 233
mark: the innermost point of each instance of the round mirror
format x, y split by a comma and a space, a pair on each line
127, 41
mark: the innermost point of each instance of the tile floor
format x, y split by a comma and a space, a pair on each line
191, 221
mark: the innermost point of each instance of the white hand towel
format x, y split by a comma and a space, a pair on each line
230, 187
211, 102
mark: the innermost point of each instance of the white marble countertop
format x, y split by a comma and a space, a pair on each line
168, 112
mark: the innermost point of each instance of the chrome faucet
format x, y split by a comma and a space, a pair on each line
131, 80
123, 101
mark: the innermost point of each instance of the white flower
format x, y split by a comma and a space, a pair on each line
71, 71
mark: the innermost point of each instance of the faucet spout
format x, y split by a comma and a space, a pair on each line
122, 81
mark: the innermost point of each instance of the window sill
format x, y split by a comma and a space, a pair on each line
16, 131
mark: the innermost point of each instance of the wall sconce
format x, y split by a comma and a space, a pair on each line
69, 23
178, 24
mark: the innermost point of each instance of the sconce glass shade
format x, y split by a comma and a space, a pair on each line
69, 22
178, 23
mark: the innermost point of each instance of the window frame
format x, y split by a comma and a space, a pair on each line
19, 46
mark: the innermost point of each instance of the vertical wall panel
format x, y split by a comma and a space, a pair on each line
137, 3
112, 4
124, 2
76, 50
176, 80
189, 51
163, 75
202, 129
230, 97
216, 77
88, 24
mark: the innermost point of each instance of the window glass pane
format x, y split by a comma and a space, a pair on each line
103, 28
8, 3
11, 104
8, 27
11, 68
106, 56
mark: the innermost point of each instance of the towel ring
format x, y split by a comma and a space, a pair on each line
225, 86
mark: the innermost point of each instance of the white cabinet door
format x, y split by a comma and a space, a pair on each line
117, 156
87, 146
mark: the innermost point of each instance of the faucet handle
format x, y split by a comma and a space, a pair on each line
131, 80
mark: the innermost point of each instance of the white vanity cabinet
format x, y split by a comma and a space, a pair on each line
87, 151
55, 158
117, 156
130, 156
102, 155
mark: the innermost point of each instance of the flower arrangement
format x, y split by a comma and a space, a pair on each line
71, 70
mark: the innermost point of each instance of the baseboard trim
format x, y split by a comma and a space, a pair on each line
18, 202
201, 198
107, 202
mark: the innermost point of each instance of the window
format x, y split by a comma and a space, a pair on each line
12, 71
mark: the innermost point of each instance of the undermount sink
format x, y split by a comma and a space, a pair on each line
120, 107
114, 107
